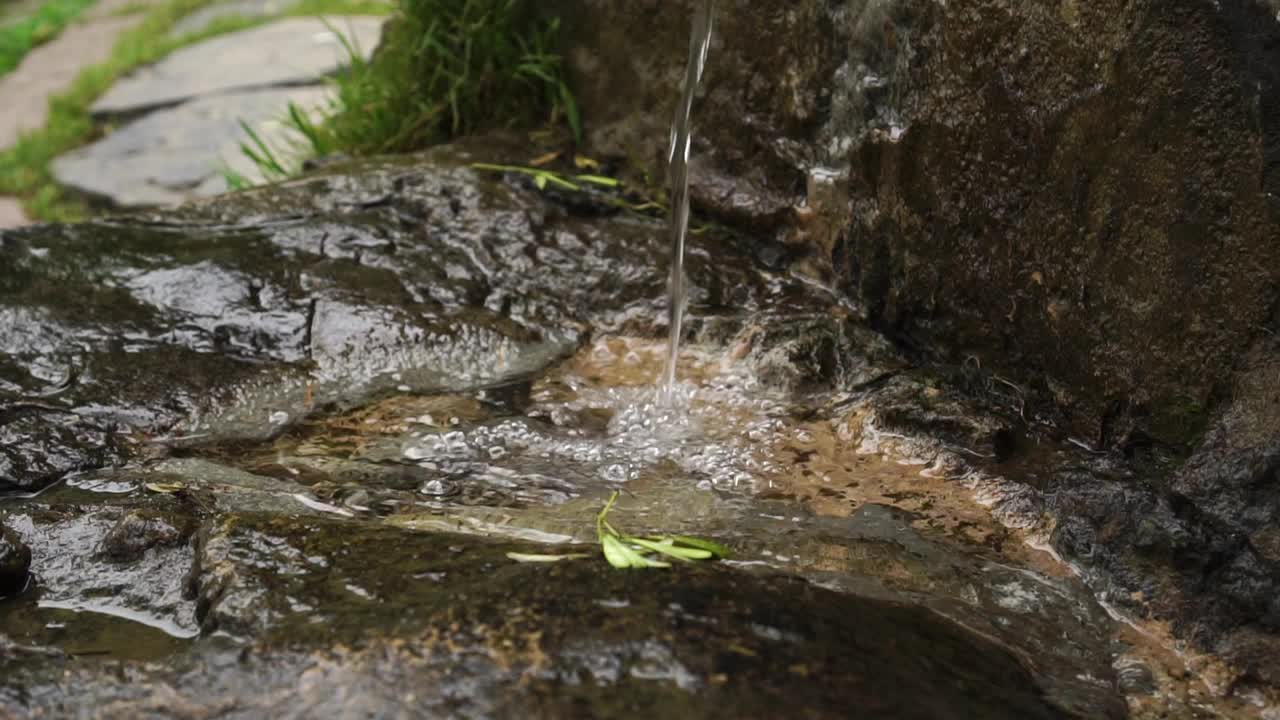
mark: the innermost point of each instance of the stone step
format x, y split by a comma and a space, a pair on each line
294, 51
181, 153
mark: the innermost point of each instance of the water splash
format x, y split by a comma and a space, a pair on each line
678, 179
600, 422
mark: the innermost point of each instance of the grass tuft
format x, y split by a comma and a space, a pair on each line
18, 37
447, 68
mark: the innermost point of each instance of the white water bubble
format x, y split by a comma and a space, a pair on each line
435, 487
417, 453
617, 473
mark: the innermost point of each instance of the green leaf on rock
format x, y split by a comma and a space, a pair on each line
675, 551
614, 552
714, 548
626, 551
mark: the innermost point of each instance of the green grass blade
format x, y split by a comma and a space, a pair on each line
675, 551
714, 548
18, 37
262, 154
600, 180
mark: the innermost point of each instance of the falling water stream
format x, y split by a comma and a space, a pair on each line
678, 177
416, 437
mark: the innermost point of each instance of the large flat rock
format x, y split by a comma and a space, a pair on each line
180, 153
296, 51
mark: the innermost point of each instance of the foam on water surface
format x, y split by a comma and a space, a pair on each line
604, 416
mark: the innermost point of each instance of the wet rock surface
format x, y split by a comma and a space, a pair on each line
1074, 206
238, 317
305, 425
1216, 529
270, 456
448, 624
15, 561
988, 180
489, 638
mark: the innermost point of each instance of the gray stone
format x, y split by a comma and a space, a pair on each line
203, 18
11, 215
49, 70
180, 153
287, 52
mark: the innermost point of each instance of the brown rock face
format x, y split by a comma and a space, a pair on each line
1091, 204
762, 102
1083, 197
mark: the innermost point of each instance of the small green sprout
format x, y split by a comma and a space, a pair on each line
629, 551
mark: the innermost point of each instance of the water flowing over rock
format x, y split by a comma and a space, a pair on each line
1078, 203
270, 452
1102, 175
238, 317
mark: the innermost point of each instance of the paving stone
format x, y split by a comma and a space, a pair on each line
295, 51
205, 16
181, 153
11, 215
50, 69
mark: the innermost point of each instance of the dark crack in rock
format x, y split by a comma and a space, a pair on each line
15, 562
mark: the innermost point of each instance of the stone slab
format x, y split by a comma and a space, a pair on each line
181, 153
295, 51
11, 214
50, 69
206, 16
